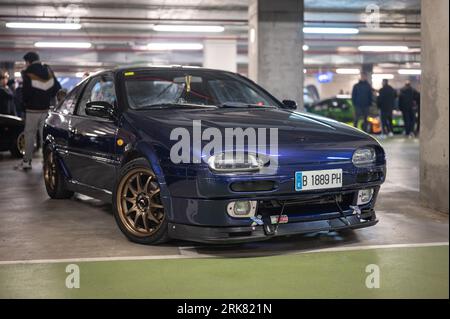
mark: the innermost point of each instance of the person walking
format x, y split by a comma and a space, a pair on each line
386, 103
362, 100
39, 88
6, 96
406, 101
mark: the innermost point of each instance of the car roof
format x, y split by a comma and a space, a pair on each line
160, 67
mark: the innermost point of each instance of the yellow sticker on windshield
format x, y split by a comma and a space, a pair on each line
128, 73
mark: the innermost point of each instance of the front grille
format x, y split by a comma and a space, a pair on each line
310, 206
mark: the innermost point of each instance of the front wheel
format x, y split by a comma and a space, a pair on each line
138, 209
54, 178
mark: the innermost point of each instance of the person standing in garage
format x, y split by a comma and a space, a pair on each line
386, 103
6, 95
362, 100
406, 101
39, 88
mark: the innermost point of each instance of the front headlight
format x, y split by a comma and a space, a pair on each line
239, 162
364, 156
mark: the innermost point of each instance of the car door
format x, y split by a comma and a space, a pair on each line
91, 154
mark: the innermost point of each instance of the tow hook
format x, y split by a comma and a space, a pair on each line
356, 211
269, 229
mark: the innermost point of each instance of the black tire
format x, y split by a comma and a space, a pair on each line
156, 234
18, 146
54, 180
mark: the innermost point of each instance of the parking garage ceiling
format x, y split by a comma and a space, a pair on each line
119, 31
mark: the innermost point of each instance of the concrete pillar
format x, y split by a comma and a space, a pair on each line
275, 47
220, 54
434, 137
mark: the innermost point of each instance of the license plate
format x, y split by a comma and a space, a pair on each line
323, 179
283, 219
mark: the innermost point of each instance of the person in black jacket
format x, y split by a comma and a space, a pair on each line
39, 88
6, 95
362, 100
386, 103
406, 102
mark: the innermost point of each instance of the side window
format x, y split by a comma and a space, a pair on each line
98, 89
69, 103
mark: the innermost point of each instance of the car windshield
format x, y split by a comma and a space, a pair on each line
192, 88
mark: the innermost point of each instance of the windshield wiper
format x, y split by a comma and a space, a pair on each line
242, 105
173, 105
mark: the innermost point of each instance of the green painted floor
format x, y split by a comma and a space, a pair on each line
404, 273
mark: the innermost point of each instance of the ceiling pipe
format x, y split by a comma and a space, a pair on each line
238, 21
159, 37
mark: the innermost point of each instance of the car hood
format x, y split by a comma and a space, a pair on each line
292, 126
317, 138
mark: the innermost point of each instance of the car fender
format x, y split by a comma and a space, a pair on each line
148, 152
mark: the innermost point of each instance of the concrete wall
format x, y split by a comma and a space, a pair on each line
220, 54
327, 90
434, 136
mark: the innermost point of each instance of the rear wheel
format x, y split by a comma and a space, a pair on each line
18, 146
54, 178
138, 208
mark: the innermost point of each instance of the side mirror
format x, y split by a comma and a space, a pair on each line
289, 104
100, 109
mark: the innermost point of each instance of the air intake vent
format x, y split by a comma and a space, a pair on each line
253, 186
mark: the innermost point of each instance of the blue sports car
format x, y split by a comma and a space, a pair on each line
208, 156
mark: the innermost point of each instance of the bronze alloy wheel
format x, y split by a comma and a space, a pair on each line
50, 170
139, 203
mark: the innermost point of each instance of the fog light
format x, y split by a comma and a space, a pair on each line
242, 208
364, 196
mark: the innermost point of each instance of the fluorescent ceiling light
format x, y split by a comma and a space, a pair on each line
305, 47
382, 48
188, 28
162, 46
43, 25
381, 76
71, 45
410, 71
321, 30
348, 71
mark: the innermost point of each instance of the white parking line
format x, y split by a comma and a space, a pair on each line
199, 255
369, 247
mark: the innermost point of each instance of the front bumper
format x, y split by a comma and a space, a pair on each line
229, 235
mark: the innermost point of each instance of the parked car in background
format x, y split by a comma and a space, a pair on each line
398, 124
12, 137
340, 108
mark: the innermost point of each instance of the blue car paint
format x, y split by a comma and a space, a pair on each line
192, 194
